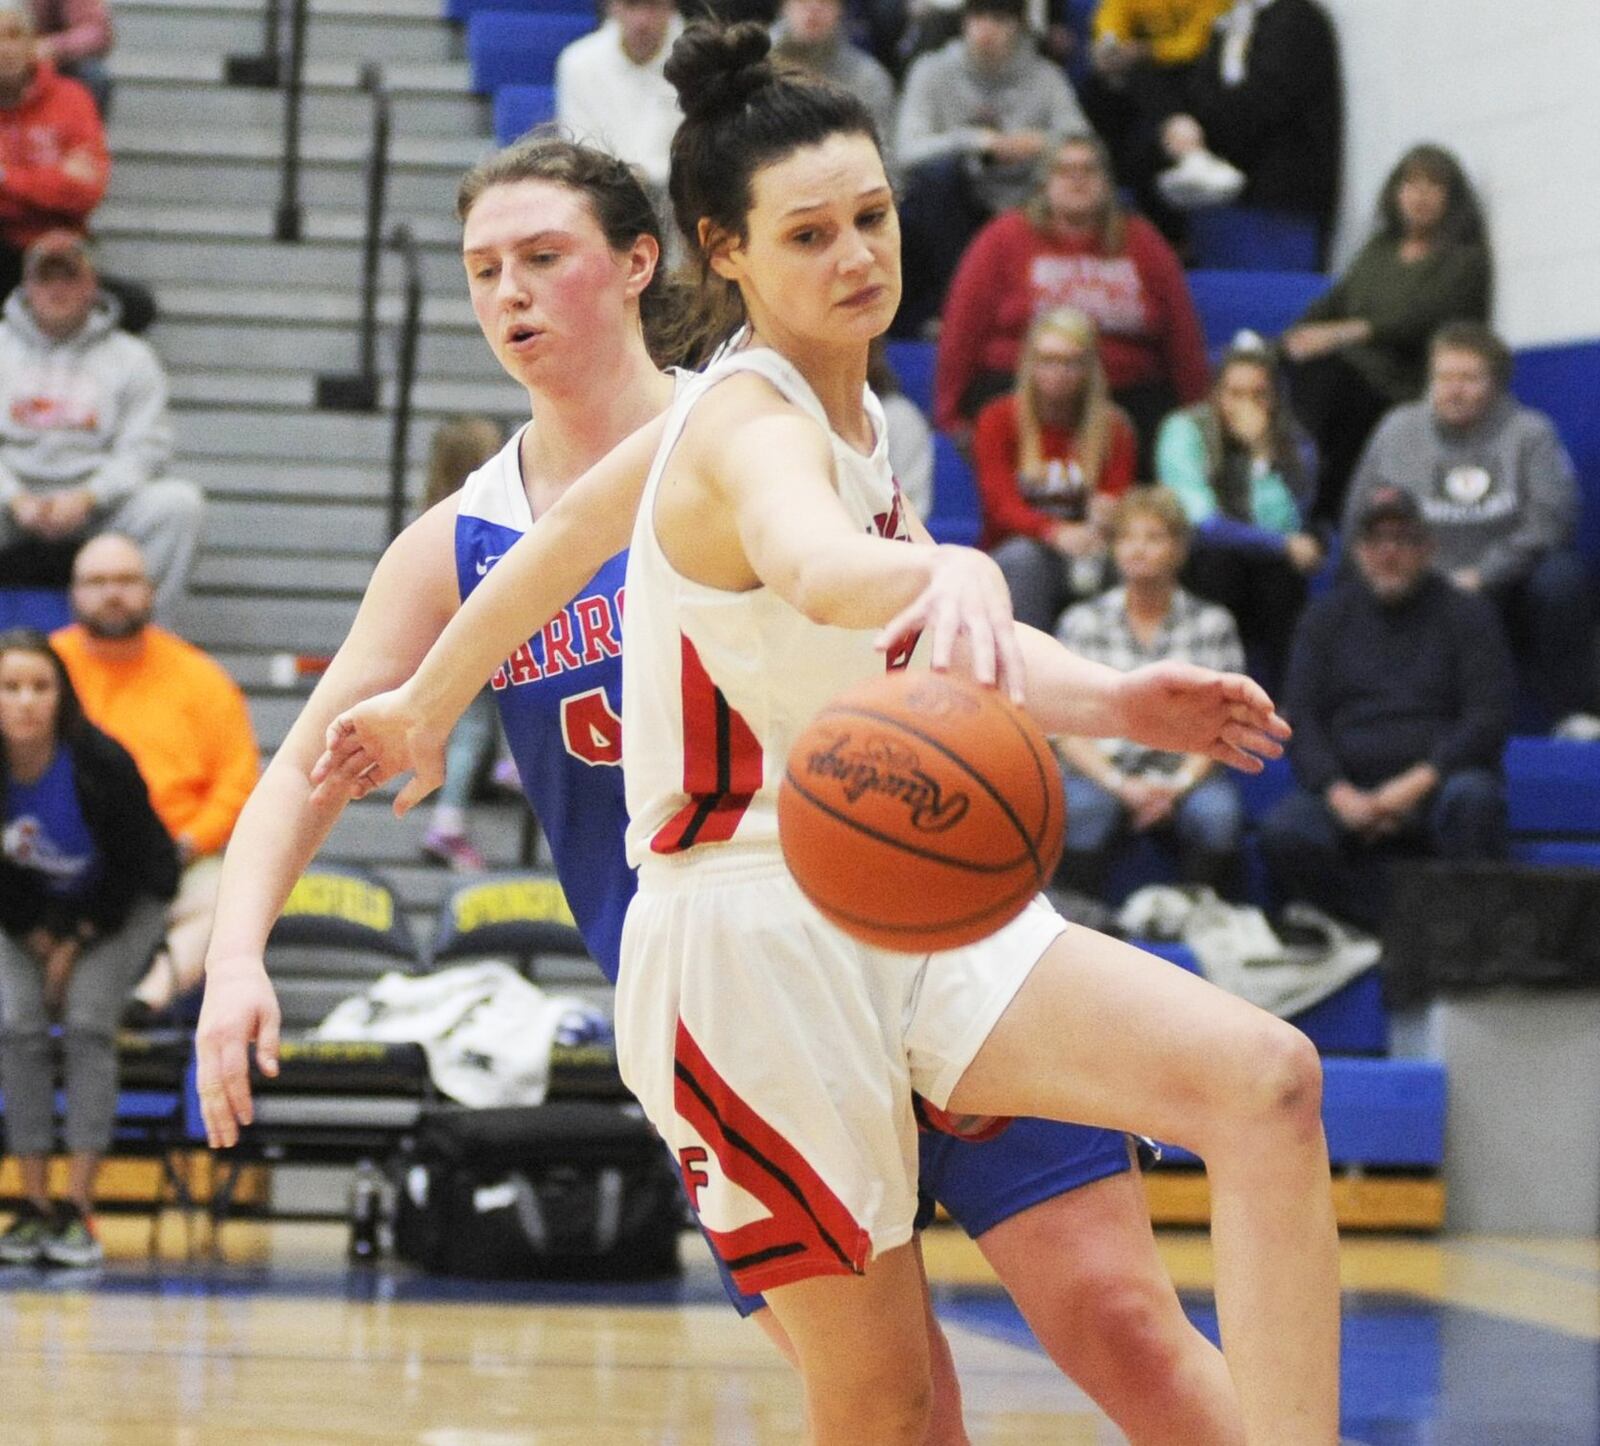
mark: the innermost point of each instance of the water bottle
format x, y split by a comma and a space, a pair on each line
366, 1209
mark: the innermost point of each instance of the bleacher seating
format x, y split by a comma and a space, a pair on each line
464, 10
1553, 801
1247, 238
508, 47
954, 516
32, 607
913, 363
1261, 301
519, 108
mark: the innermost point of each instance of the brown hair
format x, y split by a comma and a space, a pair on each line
615, 195
1112, 224
1482, 341
1463, 216
1160, 503
460, 446
71, 724
1092, 424
741, 112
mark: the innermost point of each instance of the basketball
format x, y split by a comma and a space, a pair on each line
921, 812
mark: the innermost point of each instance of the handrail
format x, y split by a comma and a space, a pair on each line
290, 217
280, 65
358, 391
403, 241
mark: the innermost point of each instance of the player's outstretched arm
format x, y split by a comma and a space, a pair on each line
403, 730
1177, 707
410, 598
775, 467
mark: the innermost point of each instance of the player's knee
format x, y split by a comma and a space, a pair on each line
1284, 1079
883, 1402
1130, 1323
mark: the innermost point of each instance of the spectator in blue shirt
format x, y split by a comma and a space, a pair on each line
85, 872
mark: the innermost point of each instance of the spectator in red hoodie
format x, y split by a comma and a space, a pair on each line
1053, 456
1071, 245
53, 160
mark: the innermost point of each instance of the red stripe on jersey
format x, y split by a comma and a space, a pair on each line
809, 1231
722, 764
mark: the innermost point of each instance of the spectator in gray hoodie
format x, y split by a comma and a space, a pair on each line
811, 35
84, 435
975, 119
1497, 490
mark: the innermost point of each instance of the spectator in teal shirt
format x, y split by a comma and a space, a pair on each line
1245, 472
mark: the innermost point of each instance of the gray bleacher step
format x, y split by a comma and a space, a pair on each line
273, 479
292, 392
142, 216
294, 574
236, 170
395, 30
149, 96
369, 830
197, 68
190, 260
250, 304
218, 341
232, 525
313, 436
305, 625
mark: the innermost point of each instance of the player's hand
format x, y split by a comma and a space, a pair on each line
375, 741
239, 1009
966, 604
58, 966
1180, 708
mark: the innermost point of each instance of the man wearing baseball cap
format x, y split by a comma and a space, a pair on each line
84, 436
1400, 692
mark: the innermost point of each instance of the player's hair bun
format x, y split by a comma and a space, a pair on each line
716, 69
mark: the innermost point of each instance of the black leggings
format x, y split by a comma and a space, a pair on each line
1340, 408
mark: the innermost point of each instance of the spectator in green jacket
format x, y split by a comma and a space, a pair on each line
1362, 347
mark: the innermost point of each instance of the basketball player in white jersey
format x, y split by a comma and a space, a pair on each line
776, 1055
561, 233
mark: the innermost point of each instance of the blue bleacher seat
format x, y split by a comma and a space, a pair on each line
913, 363
1553, 787
519, 108
1248, 238
1562, 381
26, 607
464, 10
1259, 301
511, 48
955, 516
1259, 791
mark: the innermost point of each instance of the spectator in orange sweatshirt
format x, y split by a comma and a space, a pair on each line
185, 722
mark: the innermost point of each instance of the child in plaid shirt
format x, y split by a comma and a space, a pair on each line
1114, 786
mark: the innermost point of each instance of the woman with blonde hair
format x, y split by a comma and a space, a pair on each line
1052, 457
1072, 245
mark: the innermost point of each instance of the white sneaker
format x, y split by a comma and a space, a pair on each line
1578, 727
1201, 178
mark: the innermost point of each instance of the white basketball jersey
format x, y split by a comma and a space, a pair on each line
717, 684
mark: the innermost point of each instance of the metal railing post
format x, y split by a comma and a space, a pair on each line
405, 243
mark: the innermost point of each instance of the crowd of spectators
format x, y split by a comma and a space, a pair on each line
1047, 179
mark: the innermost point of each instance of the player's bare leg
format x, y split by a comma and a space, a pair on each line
1103, 1034
1084, 1271
861, 1342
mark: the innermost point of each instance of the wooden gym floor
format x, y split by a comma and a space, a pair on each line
1448, 1342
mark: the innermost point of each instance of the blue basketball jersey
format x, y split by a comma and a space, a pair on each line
560, 699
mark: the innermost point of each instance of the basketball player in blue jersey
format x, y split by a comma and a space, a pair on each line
560, 247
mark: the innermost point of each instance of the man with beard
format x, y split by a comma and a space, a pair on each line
185, 722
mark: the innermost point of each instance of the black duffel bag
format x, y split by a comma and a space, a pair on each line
567, 1190
1456, 926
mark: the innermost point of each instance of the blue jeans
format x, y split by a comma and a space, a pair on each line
470, 751
1207, 822
1311, 856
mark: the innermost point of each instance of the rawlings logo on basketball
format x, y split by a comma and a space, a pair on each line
878, 766
935, 697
